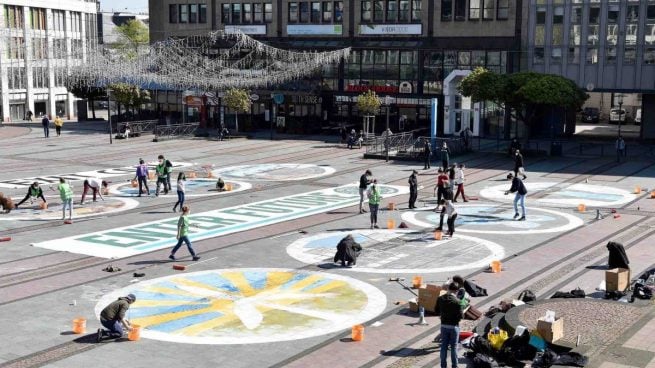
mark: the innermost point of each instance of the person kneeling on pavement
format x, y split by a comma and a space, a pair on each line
347, 251
113, 318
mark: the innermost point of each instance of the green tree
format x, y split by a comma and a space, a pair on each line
368, 103
128, 95
237, 100
90, 94
526, 95
131, 37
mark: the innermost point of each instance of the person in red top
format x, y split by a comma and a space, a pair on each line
443, 183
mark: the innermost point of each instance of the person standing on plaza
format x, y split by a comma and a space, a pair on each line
96, 185
449, 210
519, 188
413, 189
34, 191
113, 318
142, 177
445, 156
167, 169
442, 183
45, 122
374, 198
183, 235
364, 181
29, 115
162, 174
450, 314
59, 122
459, 181
66, 195
181, 178
427, 154
519, 165
620, 148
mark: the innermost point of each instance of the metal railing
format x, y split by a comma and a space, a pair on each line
456, 146
137, 127
400, 142
175, 130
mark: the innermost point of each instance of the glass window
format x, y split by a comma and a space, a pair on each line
403, 11
268, 12
327, 12
575, 34
612, 34
629, 55
613, 13
558, 34
574, 55
649, 55
631, 34
193, 13
503, 9
493, 58
474, 9
378, 13
556, 55
247, 12
446, 10
316, 12
304, 12
649, 34
460, 9
540, 35
610, 55
293, 12
594, 15
184, 13
632, 13
392, 11
225, 13
338, 11
592, 56
650, 12
236, 13
541, 15
558, 15
576, 14
37, 18
416, 10
593, 32
366, 11
464, 58
478, 58
14, 16
202, 13
488, 9
172, 13
258, 11
538, 55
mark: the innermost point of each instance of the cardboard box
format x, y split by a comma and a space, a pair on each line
551, 331
413, 306
617, 279
427, 297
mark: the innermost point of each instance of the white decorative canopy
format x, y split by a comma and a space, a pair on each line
215, 61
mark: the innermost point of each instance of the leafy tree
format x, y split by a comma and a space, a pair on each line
368, 103
526, 95
131, 37
88, 93
237, 100
128, 95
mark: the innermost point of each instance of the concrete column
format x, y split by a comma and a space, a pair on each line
29, 80
51, 63
4, 83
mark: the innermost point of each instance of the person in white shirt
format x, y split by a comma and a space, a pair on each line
459, 181
94, 184
181, 178
449, 210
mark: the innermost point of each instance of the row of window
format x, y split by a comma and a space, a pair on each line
16, 77
247, 13
15, 48
391, 11
13, 15
187, 13
477, 9
593, 55
315, 11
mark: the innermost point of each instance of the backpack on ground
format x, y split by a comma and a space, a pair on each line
527, 296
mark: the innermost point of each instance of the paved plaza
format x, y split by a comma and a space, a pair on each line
265, 292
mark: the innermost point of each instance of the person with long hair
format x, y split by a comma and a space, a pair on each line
181, 178
183, 235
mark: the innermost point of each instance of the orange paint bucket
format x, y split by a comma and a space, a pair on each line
391, 206
79, 325
652, 194
151, 176
357, 333
417, 281
43, 205
228, 187
135, 333
391, 224
496, 266
438, 235
582, 207
637, 189
191, 175
134, 183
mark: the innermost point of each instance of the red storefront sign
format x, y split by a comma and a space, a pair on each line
380, 89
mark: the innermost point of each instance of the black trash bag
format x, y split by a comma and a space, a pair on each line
480, 345
642, 292
617, 258
578, 293
562, 295
614, 295
484, 361
515, 349
527, 296
647, 274
493, 310
571, 360
545, 359
473, 289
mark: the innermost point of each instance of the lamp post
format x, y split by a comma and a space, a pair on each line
620, 100
111, 130
387, 102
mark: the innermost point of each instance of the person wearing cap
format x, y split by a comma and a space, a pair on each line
364, 181
413, 189
34, 191
94, 184
113, 318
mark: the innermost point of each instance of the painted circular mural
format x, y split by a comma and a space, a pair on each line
399, 251
30, 210
274, 172
248, 305
563, 194
198, 187
495, 219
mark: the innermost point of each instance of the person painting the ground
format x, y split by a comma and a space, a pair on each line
95, 185
519, 188
374, 198
413, 189
445, 156
183, 235
58, 124
66, 195
113, 318
448, 210
220, 185
34, 191
459, 181
142, 176
347, 251
162, 175
450, 313
364, 181
518, 165
181, 178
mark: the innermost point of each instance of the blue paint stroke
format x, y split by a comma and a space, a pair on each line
214, 280
605, 197
332, 241
181, 323
256, 279
294, 280
139, 312
316, 284
146, 295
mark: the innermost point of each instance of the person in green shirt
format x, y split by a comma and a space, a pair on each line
162, 174
374, 198
183, 234
66, 195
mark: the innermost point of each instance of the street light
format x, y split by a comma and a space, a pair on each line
387, 102
620, 100
111, 131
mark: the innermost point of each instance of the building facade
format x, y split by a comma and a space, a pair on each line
109, 21
404, 49
41, 41
604, 46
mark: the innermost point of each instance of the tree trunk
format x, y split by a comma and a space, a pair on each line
236, 122
93, 108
